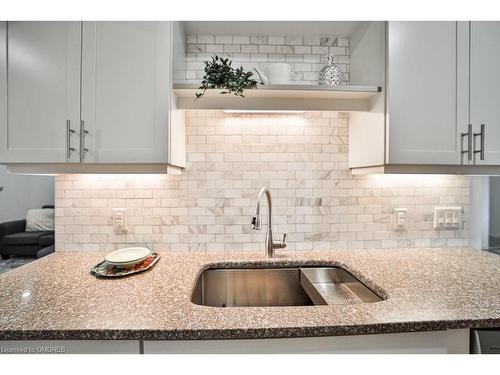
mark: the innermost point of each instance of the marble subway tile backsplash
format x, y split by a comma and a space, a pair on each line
306, 55
302, 158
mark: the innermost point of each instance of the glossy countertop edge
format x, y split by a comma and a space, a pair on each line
242, 334
253, 333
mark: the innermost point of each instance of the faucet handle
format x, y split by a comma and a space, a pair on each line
283, 242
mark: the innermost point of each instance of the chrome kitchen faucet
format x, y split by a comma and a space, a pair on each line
270, 244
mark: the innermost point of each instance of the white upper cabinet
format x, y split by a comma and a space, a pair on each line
40, 91
422, 93
89, 97
484, 90
125, 91
442, 113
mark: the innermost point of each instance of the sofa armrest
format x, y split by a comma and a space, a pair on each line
10, 227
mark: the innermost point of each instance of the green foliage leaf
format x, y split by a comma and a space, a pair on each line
219, 73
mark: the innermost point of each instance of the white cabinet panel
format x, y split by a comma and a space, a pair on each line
449, 341
422, 93
484, 88
43, 90
125, 91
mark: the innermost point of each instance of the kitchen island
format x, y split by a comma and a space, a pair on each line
56, 298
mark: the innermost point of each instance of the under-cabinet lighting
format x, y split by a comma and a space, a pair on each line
409, 180
239, 111
36, 174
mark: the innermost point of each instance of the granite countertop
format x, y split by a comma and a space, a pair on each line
426, 289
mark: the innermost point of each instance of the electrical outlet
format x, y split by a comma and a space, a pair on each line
447, 218
119, 220
400, 218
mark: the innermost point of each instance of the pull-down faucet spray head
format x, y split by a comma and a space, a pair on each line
256, 222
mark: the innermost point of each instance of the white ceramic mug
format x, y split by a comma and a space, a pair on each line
281, 74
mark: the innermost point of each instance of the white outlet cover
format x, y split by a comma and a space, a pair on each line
400, 218
119, 220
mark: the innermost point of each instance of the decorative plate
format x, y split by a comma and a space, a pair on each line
128, 256
104, 269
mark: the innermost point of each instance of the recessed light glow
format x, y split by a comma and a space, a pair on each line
413, 180
240, 111
36, 174
114, 177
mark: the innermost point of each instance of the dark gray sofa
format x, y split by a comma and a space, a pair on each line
14, 240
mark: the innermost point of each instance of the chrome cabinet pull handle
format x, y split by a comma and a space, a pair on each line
83, 133
69, 132
481, 134
469, 143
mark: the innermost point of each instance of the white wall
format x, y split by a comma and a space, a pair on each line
495, 206
23, 192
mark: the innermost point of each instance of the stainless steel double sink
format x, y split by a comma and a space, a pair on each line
292, 286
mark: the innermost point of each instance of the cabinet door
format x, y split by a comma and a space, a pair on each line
484, 88
447, 341
43, 91
125, 91
422, 93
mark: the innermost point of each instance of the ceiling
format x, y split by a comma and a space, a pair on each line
274, 28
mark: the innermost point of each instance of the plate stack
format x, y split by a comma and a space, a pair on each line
128, 257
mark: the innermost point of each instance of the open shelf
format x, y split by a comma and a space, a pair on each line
281, 97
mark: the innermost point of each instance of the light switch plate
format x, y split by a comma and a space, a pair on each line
400, 218
446, 218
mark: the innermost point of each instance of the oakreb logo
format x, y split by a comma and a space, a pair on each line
32, 349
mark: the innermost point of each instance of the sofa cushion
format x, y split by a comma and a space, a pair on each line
10, 227
40, 220
25, 238
46, 240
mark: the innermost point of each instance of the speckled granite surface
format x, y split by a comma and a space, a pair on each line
426, 289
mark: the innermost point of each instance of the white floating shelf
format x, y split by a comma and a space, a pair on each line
281, 97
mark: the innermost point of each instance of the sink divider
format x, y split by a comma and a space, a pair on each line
334, 286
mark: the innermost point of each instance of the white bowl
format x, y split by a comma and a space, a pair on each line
128, 256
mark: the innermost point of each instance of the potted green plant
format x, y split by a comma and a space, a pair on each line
219, 74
